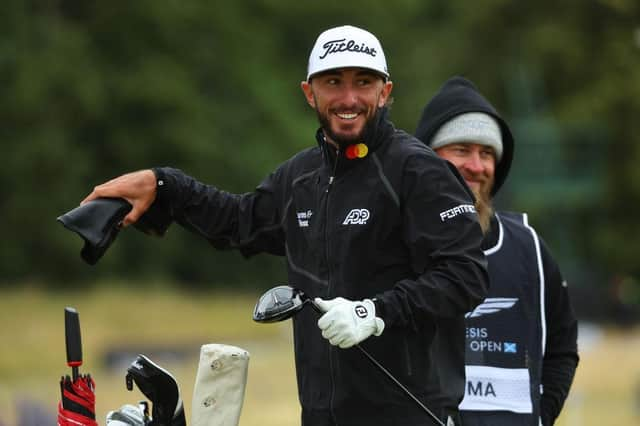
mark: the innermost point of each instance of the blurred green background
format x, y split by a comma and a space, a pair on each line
95, 89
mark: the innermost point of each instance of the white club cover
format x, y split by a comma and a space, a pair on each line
221, 379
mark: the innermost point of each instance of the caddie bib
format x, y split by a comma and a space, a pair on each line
505, 334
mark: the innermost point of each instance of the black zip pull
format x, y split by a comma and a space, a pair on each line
333, 172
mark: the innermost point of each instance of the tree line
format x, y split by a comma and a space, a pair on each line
95, 89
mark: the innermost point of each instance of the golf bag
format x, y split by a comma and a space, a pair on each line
217, 397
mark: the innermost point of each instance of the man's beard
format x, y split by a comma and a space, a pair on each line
483, 206
367, 130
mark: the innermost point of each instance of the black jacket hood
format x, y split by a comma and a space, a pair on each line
458, 96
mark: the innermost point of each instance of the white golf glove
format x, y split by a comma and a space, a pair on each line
347, 323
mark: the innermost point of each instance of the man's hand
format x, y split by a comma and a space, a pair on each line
138, 188
347, 323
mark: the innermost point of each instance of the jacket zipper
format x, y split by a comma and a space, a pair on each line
332, 178
330, 290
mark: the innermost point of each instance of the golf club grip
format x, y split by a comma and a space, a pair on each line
72, 337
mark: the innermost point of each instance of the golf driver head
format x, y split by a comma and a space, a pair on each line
279, 303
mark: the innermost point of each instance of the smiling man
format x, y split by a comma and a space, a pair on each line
346, 102
359, 218
347, 83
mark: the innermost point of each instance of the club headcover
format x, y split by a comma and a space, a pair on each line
221, 379
161, 388
98, 223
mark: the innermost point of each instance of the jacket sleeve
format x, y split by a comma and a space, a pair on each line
250, 222
443, 237
561, 350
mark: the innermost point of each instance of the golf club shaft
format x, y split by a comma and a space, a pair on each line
389, 375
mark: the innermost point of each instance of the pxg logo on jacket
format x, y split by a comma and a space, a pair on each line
344, 47
357, 217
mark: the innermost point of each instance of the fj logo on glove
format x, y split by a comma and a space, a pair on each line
361, 311
357, 217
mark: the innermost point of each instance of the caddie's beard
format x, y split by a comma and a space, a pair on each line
483, 206
367, 130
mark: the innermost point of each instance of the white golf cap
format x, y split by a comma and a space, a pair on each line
471, 127
347, 46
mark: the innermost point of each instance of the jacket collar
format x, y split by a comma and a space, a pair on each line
374, 137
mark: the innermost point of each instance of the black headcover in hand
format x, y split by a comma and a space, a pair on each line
98, 223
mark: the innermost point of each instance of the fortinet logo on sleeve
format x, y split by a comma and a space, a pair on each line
357, 217
451, 213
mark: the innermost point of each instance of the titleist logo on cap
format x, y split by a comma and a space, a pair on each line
335, 46
346, 47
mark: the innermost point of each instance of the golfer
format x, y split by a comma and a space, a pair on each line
372, 223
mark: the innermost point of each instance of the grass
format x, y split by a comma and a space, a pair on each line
606, 389
32, 355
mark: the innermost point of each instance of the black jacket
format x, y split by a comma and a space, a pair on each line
392, 226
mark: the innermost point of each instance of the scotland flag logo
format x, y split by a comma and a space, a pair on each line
510, 347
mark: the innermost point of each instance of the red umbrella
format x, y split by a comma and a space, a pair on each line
77, 405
